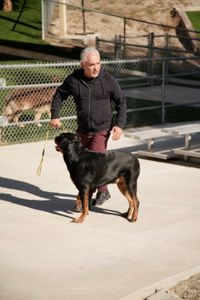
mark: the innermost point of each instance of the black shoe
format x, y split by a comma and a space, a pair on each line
101, 198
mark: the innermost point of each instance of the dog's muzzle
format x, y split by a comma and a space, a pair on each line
58, 148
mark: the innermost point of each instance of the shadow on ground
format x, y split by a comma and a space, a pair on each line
50, 202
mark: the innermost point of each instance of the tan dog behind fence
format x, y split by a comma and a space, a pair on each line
37, 100
20, 100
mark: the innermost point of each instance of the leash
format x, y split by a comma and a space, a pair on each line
39, 169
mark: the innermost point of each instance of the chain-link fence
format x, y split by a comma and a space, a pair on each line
156, 91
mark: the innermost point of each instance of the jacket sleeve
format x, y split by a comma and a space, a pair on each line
119, 100
61, 94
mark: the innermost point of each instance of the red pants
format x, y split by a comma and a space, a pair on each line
95, 142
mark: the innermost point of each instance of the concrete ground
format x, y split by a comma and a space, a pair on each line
174, 94
44, 256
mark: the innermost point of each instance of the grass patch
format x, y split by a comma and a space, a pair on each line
28, 29
194, 17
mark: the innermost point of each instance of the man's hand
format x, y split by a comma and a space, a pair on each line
55, 123
116, 133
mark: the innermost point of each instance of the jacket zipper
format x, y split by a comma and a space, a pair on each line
89, 106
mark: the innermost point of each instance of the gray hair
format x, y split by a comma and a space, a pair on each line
88, 50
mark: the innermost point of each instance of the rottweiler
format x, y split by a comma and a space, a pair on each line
89, 170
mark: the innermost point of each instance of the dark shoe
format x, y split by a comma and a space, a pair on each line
101, 198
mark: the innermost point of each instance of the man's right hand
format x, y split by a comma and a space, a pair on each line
55, 123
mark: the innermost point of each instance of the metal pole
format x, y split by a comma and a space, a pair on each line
43, 19
63, 18
97, 43
163, 92
167, 40
150, 54
124, 37
83, 14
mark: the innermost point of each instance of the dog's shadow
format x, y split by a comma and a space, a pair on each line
55, 203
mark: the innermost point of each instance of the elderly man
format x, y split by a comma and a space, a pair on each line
93, 89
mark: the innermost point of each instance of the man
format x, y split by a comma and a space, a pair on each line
93, 89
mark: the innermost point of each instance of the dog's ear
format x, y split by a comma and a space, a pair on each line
66, 138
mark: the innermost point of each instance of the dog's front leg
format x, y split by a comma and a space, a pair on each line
84, 196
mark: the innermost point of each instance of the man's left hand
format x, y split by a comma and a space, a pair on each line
116, 133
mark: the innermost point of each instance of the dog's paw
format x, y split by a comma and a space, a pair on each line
130, 215
78, 220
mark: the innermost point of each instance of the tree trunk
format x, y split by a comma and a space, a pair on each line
7, 5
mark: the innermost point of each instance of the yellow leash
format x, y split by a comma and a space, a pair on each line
39, 169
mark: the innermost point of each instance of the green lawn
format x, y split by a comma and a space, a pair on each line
28, 29
194, 17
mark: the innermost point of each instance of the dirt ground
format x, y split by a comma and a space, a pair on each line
106, 27
188, 289
152, 10
157, 11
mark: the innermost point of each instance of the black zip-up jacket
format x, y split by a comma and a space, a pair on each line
93, 99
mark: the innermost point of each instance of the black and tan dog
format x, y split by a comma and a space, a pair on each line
89, 170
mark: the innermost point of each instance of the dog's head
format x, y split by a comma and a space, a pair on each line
64, 139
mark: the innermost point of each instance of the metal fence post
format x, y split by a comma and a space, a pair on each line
117, 45
83, 15
167, 46
151, 44
150, 54
124, 42
62, 19
163, 91
97, 42
43, 13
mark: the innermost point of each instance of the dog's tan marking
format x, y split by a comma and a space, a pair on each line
132, 212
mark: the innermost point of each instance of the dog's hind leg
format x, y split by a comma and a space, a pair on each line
16, 117
132, 213
84, 196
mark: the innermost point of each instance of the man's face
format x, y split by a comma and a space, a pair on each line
91, 65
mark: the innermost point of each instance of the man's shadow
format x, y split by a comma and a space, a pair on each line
55, 203
50, 202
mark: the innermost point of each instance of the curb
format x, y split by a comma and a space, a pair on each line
158, 290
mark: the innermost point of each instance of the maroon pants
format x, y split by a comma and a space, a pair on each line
95, 142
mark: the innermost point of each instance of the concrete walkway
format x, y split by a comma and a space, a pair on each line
174, 94
43, 256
